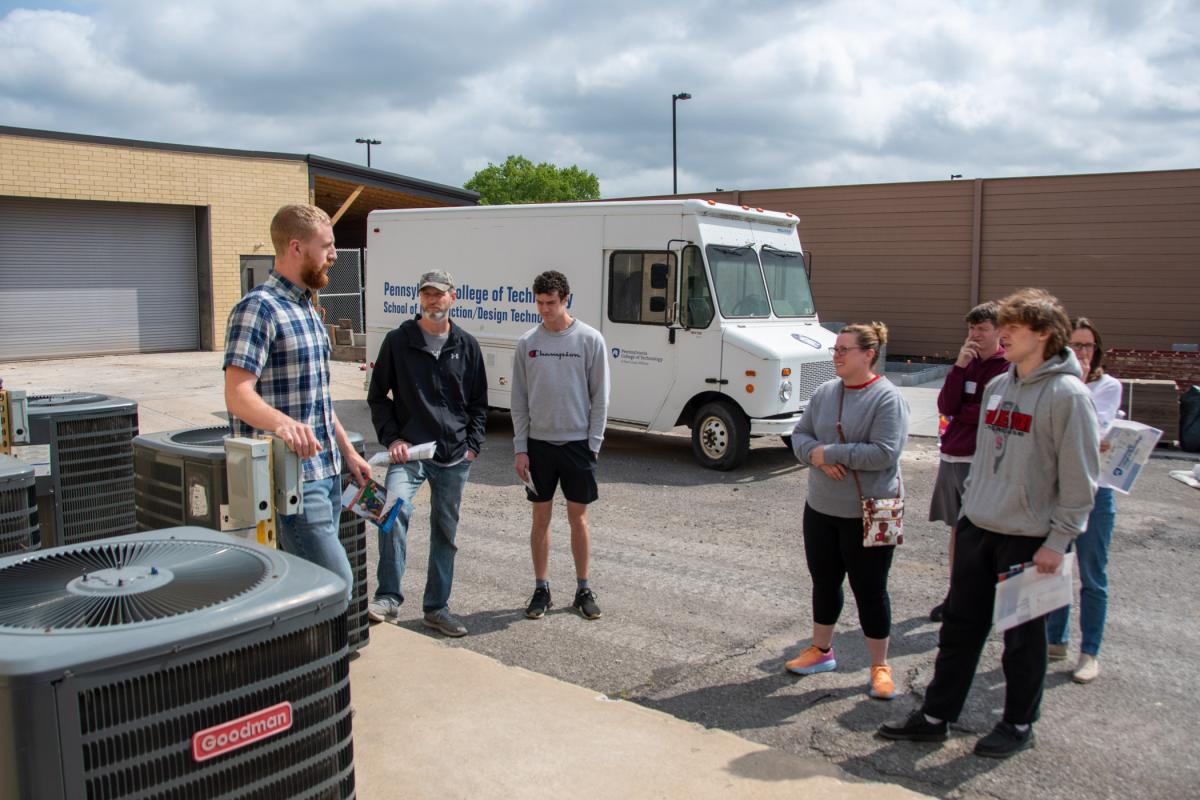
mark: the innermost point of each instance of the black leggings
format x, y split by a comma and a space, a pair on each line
833, 549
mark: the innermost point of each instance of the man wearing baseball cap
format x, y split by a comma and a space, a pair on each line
428, 385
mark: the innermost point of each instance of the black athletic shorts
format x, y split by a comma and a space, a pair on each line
572, 464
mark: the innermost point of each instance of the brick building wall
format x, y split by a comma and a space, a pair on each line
1164, 365
242, 193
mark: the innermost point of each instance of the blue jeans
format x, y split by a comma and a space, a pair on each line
313, 533
1091, 549
446, 487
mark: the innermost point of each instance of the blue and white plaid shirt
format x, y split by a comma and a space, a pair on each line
276, 333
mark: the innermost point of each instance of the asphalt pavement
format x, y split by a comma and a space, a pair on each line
702, 581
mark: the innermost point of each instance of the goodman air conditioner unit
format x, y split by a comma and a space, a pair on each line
179, 479
87, 491
18, 506
181, 664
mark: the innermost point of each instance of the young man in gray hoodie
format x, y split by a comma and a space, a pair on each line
559, 409
1031, 487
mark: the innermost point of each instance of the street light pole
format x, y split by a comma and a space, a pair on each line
675, 98
368, 143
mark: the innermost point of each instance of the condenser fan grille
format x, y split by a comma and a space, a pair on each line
99, 584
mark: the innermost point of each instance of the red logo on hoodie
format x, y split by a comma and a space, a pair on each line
1004, 419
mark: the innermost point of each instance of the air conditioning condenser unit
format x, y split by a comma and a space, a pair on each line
182, 663
18, 506
180, 479
86, 492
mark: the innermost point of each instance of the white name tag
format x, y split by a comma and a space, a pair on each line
971, 387
993, 402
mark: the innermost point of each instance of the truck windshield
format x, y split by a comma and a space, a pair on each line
738, 281
787, 282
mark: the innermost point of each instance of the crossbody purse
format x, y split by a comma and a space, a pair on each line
883, 517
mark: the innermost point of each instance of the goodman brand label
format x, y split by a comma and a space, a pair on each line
233, 735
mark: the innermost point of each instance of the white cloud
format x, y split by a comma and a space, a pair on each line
819, 92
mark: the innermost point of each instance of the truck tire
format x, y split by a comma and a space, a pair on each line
720, 436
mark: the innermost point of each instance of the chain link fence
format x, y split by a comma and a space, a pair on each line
343, 297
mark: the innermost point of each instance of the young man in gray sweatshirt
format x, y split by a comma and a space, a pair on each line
559, 409
1030, 489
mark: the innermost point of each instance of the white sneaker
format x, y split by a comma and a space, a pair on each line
1056, 652
1087, 670
384, 609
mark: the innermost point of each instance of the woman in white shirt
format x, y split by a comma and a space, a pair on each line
1091, 548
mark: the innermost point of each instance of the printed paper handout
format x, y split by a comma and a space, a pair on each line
1130, 446
370, 502
367, 501
416, 452
1023, 593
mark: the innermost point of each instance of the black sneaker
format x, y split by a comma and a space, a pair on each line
539, 603
915, 729
935, 615
585, 604
1004, 741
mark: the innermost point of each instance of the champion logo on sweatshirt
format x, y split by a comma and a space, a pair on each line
547, 354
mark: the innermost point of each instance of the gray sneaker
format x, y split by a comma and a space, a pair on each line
444, 622
384, 609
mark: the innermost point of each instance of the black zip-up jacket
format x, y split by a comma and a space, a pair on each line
442, 400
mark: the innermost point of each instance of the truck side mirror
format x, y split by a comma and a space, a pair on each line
658, 305
658, 276
808, 259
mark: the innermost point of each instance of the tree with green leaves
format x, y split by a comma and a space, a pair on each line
519, 180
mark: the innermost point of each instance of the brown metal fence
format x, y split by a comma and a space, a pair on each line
1120, 248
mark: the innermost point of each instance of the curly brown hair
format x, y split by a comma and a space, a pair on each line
550, 282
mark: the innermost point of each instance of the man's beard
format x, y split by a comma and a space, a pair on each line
312, 275
434, 316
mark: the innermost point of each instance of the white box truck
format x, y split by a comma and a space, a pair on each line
705, 307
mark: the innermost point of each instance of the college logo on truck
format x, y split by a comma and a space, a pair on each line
236, 734
635, 357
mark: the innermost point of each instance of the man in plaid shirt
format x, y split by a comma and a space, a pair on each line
277, 381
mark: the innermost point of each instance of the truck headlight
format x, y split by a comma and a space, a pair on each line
785, 391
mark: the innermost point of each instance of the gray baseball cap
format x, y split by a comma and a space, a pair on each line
438, 279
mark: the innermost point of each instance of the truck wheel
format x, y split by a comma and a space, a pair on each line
720, 436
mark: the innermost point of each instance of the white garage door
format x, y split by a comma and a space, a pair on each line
88, 278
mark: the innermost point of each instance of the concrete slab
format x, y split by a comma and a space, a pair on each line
434, 721
922, 407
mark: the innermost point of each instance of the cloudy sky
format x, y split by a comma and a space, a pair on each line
797, 93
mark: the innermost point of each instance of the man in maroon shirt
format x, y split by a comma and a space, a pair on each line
980, 359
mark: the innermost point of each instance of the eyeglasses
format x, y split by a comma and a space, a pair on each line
841, 351
1081, 346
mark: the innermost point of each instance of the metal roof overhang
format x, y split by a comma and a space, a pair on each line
333, 183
